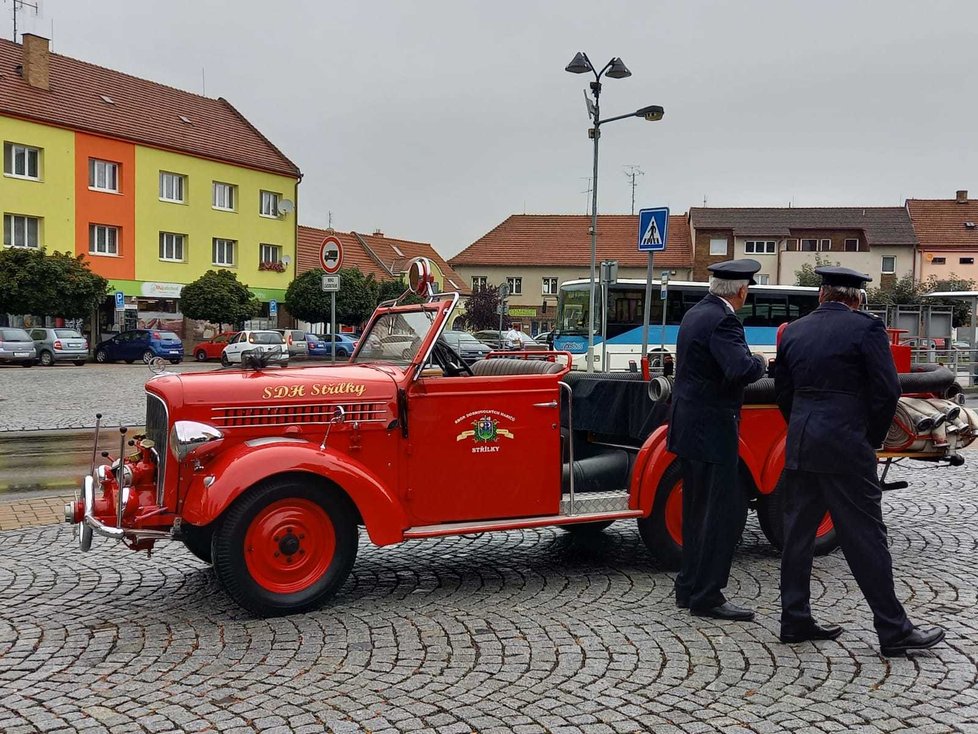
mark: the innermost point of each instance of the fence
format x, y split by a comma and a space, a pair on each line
962, 362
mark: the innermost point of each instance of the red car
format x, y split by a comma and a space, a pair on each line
212, 348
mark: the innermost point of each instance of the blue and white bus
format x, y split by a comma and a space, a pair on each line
767, 307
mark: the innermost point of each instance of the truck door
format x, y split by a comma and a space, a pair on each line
483, 447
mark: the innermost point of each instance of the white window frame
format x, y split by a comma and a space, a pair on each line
265, 249
851, 241
825, 245
515, 285
715, 243
767, 247
225, 247
480, 282
176, 243
550, 286
14, 224
10, 154
169, 183
270, 198
803, 240
109, 245
227, 201
763, 279
883, 260
99, 174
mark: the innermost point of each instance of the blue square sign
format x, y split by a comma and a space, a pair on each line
120, 300
653, 229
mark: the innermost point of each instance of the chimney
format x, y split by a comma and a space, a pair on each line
36, 61
961, 196
378, 233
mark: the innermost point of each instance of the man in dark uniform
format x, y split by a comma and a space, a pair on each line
713, 365
837, 387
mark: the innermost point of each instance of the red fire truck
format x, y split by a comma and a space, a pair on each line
269, 474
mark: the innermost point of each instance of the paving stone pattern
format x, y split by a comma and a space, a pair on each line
531, 631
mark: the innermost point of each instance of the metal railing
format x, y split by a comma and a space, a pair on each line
962, 362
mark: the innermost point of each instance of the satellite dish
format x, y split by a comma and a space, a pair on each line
285, 206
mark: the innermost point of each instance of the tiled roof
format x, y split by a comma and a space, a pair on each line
940, 223
888, 225
372, 255
565, 240
140, 111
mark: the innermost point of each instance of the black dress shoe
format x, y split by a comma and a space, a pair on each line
682, 603
918, 639
726, 611
813, 632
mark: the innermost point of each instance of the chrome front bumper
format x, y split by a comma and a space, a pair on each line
89, 524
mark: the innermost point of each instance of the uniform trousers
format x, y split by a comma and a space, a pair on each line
714, 513
853, 501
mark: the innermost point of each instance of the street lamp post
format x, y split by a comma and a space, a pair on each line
615, 69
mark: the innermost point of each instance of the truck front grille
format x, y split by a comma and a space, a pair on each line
157, 426
253, 416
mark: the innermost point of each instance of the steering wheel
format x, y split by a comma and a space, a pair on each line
449, 359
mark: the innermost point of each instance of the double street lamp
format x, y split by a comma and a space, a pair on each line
615, 69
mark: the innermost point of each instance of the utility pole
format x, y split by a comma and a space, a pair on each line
632, 172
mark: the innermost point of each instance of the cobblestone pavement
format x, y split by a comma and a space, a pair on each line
24, 513
531, 631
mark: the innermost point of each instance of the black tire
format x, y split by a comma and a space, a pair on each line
231, 557
342, 353
587, 528
101, 357
46, 359
198, 539
654, 528
225, 362
128, 361
148, 356
175, 361
28, 364
770, 515
80, 363
200, 355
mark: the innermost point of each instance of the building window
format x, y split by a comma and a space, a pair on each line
268, 207
763, 279
172, 187
809, 245
852, 245
21, 161
718, 245
550, 286
224, 196
103, 240
966, 261
270, 258
223, 252
171, 246
515, 286
760, 247
479, 282
938, 261
888, 264
825, 245
20, 231
103, 175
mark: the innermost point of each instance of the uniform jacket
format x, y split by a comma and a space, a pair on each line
837, 387
713, 365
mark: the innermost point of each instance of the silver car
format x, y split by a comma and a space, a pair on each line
60, 345
295, 339
17, 347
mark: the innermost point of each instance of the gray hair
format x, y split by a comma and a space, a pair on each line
725, 287
843, 294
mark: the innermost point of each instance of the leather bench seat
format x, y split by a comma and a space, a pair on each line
506, 367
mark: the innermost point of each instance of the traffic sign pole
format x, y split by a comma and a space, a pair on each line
332, 324
648, 307
653, 233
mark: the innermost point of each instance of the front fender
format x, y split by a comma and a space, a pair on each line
236, 470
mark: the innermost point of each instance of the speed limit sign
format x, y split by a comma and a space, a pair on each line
331, 254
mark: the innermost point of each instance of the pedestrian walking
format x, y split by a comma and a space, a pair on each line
713, 365
837, 388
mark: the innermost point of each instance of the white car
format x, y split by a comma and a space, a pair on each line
251, 341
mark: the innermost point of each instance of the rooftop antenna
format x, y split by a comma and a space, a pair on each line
632, 172
704, 201
330, 219
19, 5
587, 192
203, 83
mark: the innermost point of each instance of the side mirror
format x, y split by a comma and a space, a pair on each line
420, 280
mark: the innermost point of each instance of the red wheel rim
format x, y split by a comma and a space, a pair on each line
674, 513
289, 545
825, 527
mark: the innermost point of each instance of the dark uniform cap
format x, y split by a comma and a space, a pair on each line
842, 277
743, 269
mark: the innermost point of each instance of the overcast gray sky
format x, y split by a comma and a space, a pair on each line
433, 120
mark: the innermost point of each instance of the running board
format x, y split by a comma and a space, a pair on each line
593, 502
516, 523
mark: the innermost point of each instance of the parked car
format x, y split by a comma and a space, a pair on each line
17, 347
60, 345
144, 344
544, 337
345, 344
497, 340
249, 341
468, 347
295, 340
212, 348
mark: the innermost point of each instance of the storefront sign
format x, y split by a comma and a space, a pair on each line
161, 290
522, 311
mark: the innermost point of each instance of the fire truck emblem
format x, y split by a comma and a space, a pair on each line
485, 430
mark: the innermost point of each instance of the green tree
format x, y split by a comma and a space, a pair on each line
219, 297
81, 291
906, 291
388, 290
481, 310
59, 284
807, 276
355, 300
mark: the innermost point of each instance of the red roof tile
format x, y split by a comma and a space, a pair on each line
141, 111
395, 254
940, 223
564, 239
310, 240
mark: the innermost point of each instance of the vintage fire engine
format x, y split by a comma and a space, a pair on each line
268, 474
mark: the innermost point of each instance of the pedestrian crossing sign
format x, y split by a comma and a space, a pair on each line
653, 228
